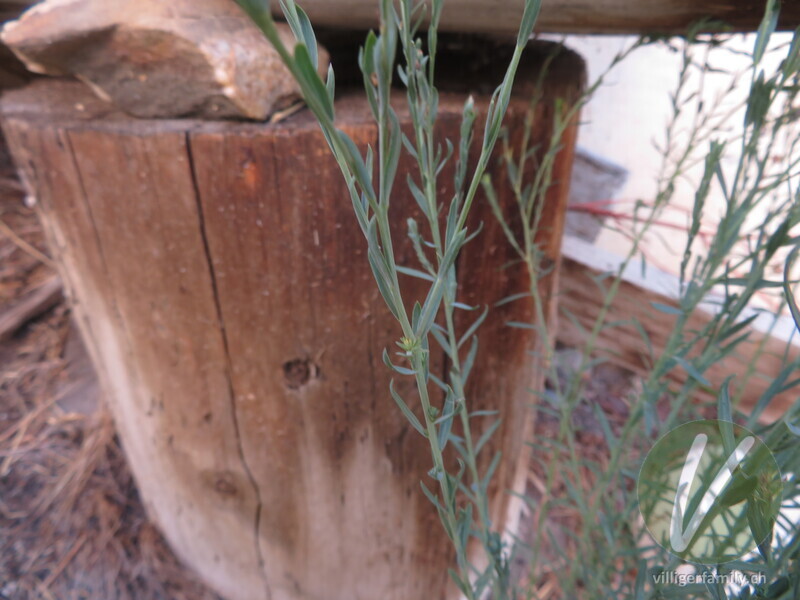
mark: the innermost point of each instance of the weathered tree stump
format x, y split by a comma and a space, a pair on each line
221, 284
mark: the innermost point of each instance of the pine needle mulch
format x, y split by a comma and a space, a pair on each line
72, 526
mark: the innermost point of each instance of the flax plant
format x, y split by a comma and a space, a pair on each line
460, 496
610, 555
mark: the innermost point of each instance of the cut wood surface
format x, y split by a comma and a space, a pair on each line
558, 16
221, 284
756, 363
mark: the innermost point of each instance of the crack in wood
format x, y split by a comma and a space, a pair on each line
228, 368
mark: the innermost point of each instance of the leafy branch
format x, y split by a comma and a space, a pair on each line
370, 194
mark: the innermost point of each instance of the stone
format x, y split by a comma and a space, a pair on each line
200, 58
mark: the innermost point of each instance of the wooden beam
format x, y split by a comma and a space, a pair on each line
564, 16
557, 16
624, 345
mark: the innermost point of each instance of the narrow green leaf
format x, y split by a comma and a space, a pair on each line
415, 312
356, 163
392, 158
330, 83
473, 328
490, 471
462, 587
381, 275
666, 308
466, 366
692, 370
715, 587
422, 202
430, 496
486, 436
641, 578
415, 273
611, 440
431, 307
787, 288
775, 387
315, 92
521, 325
301, 27
484, 413
768, 25
463, 306
761, 524
791, 65
464, 525
254, 8
439, 335
529, 17
367, 66
741, 325
409, 414
367, 56
512, 298
417, 242
445, 422
388, 362
725, 417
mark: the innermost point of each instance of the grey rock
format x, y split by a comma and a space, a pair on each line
152, 58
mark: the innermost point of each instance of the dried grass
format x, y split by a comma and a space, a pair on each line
72, 526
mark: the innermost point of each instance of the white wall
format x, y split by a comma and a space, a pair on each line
632, 110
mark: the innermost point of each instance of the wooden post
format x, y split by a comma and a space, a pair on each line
220, 281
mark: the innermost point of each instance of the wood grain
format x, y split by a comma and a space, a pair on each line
557, 16
141, 289
221, 284
565, 16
